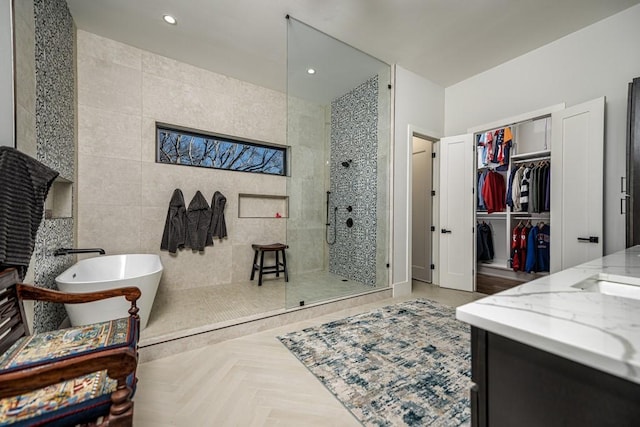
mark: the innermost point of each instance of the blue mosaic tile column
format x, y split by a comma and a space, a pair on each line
354, 136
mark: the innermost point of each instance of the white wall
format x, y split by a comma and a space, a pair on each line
595, 61
419, 104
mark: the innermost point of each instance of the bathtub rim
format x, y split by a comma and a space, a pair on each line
92, 282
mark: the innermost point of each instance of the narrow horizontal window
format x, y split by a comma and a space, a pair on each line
191, 148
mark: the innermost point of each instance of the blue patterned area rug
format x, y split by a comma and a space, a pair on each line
405, 364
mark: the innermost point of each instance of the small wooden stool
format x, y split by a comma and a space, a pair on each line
270, 269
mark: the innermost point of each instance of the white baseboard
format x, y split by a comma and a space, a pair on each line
401, 289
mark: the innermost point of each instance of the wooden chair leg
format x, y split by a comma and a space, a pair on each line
261, 266
121, 411
253, 266
277, 263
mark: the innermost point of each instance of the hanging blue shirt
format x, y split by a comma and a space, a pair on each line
542, 247
509, 197
481, 205
532, 253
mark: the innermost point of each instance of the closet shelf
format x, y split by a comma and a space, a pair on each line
498, 264
541, 215
489, 215
502, 265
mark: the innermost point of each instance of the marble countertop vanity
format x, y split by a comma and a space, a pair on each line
577, 314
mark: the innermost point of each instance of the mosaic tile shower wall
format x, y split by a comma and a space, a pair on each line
55, 139
354, 140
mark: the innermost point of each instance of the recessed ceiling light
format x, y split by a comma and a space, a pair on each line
169, 19
311, 71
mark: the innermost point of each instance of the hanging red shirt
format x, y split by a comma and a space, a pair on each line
493, 192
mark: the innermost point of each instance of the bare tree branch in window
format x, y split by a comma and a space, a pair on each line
192, 149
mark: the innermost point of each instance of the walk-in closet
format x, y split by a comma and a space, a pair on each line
513, 201
521, 197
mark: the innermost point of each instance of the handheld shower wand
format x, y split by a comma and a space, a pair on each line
335, 211
328, 196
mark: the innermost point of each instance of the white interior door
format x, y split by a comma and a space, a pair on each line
421, 211
456, 212
577, 179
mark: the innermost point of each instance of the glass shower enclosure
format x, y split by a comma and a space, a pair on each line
338, 131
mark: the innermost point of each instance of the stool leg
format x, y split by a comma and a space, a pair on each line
277, 263
261, 265
253, 266
284, 264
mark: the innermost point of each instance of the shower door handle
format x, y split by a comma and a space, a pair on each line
445, 231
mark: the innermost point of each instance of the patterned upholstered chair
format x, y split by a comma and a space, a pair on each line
80, 375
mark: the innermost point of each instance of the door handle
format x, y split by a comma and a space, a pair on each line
590, 239
444, 231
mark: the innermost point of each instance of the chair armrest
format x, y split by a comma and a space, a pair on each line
28, 292
119, 363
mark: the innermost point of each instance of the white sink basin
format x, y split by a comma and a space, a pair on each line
619, 286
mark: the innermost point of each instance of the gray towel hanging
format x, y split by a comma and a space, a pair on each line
175, 226
24, 185
218, 226
198, 222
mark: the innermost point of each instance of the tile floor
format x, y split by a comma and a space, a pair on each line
182, 310
253, 380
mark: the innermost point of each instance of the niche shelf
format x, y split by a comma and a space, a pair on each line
262, 206
59, 203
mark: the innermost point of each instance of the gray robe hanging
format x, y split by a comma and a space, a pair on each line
198, 221
24, 184
218, 226
175, 227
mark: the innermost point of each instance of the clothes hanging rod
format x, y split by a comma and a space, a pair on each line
531, 159
531, 154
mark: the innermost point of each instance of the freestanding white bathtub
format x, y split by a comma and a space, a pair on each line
108, 272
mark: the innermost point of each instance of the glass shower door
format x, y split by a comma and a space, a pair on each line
338, 130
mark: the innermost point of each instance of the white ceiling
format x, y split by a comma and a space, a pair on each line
445, 41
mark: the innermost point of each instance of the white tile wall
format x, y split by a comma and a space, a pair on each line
123, 194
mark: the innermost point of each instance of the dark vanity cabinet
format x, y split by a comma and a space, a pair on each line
519, 385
